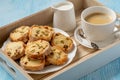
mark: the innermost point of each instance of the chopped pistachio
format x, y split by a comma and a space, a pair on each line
23, 27
37, 31
32, 50
62, 41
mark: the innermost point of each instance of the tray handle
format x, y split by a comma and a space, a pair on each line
8, 67
12, 70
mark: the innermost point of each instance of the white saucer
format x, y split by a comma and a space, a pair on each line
96, 45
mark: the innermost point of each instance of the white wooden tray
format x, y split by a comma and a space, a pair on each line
85, 61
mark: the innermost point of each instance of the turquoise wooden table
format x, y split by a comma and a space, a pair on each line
12, 10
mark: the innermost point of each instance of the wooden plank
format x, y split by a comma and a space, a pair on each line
82, 54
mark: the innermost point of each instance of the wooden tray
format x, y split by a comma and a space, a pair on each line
85, 61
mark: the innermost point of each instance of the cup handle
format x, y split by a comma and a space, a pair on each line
117, 22
117, 32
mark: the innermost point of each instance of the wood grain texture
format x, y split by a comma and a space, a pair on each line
107, 72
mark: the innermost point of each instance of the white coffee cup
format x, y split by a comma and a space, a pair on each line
64, 16
98, 32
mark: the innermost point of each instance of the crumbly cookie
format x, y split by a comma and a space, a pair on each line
30, 64
57, 56
65, 43
41, 32
37, 49
15, 49
20, 34
47, 63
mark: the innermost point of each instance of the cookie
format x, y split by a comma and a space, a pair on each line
20, 34
57, 56
37, 49
41, 32
63, 42
15, 49
30, 64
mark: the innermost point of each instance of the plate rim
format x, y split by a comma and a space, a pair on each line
62, 66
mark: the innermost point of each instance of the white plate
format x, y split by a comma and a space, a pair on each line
52, 68
99, 45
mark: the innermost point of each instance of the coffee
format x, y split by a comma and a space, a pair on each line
98, 18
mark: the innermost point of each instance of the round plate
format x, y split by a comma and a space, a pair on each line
96, 45
52, 68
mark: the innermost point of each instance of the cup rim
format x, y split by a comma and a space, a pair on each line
113, 20
63, 2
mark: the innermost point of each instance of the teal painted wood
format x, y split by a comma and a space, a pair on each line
12, 10
110, 71
113, 4
105, 73
4, 75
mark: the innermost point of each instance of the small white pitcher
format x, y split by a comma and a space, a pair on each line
64, 16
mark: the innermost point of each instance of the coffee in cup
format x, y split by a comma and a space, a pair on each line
98, 18
98, 23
